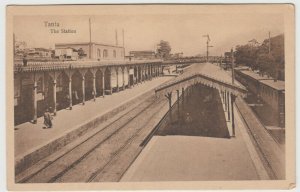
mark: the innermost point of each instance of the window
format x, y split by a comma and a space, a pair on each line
98, 53
105, 54
115, 53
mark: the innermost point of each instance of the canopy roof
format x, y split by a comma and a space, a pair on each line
206, 74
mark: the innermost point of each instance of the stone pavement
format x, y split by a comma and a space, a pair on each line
30, 136
190, 158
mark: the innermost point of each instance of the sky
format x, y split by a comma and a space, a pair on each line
183, 31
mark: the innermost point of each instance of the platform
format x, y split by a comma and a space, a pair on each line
28, 136
198, 158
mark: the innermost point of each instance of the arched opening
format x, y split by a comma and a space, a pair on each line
89, 94
126, 77
105, 53
62, 91
76, 88
113, 79
26, 99
135, 74
139, 74
120, 77
98, 53
107, 81
114, 53
99, 83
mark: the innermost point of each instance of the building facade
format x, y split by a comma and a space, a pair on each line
142, 54
95, 51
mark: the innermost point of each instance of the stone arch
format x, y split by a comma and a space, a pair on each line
120, 76
88, 85
107, 80
62, 89
126, 76
139, 74
99, 81
76, 87
135, 74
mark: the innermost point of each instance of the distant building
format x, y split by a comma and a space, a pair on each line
20, 45
142, 54
177, 55
93, 51
67, 53
39, 53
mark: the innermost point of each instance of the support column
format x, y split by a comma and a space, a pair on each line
94, 86
117, 72
169, 97
70, 93
54, 97
182, 93
142, 75
34, 119
228, 106
103, 83
123, 87
83, 89
225, 100
232, 114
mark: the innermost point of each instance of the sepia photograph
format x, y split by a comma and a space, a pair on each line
150, 96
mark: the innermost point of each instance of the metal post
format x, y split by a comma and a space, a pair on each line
117, 73
228, 107
182, 93
169, 97
70, 93
225, 100
123, 80
232, 114
90, 43
178, 111
54, 97
94, 86
83, 90
35, 102
103, 84
232, 66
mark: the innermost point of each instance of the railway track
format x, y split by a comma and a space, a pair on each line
90, 156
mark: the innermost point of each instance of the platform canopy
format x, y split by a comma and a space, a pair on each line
206, 74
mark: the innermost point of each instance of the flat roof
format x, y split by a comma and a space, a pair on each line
255, 75
86, 43
279, 85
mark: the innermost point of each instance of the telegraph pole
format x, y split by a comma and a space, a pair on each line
90, 44
123, 42
232, 65
207, 46
14, 41
269, 42
116, 37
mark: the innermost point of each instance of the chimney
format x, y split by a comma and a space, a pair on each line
116, 37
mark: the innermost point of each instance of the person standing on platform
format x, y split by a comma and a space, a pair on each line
48, 119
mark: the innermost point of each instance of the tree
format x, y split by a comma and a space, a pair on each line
246, 55
265, 64
164, 49
258, 57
